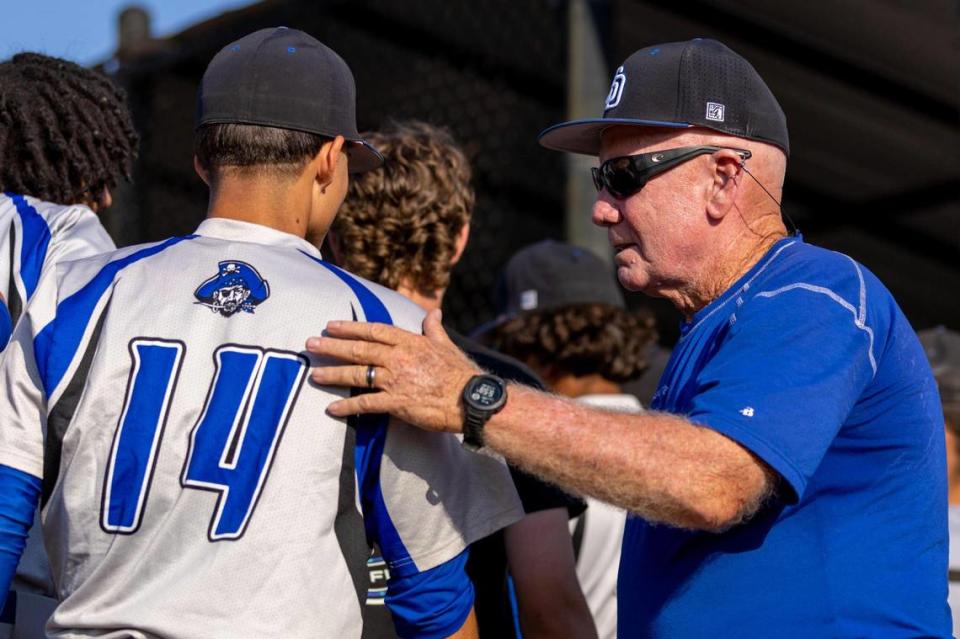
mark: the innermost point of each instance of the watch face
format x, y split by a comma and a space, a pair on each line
486, 393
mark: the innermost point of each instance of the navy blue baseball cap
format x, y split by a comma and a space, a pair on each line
285, 78
680, 85
549, 275
942, 346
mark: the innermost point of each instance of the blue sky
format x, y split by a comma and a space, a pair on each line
86, 30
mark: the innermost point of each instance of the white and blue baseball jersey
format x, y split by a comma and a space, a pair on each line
33, 235
192, 483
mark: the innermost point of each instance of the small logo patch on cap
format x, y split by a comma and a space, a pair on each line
528, 300
715, 111
616, 89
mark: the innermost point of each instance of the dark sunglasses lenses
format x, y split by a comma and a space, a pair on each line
626, 175
620, 177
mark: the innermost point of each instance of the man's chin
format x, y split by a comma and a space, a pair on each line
638, 283
633, 282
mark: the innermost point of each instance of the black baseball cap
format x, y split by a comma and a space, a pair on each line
678, 85
942, 346
550, 275
287, 79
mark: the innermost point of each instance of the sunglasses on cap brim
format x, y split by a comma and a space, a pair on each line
623, 176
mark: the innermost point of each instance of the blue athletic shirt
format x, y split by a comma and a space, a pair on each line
808, 362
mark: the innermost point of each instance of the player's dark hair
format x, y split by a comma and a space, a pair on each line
250, 146
579, 340
65, 131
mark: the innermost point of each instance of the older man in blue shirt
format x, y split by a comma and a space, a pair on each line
792, 481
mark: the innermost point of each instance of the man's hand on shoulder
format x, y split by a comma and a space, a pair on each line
417, 378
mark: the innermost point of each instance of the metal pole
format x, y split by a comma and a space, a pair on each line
587, 83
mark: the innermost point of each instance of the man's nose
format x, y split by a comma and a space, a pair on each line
604, 212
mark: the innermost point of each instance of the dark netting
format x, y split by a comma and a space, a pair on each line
491, 76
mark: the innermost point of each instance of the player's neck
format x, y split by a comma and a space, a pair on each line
577, 386
427, 300
279, 204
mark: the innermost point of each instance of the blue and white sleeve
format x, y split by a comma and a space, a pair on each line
24, 410
77, 234
19, 496
6, 326
426, 599
432, 604
23, 401
785, 380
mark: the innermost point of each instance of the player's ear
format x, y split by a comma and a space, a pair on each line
325, 162
202, 172
460, 244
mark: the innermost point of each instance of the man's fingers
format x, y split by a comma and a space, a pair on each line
340, 376
352, 376
367, 331
433, 327
349, 350
360, 405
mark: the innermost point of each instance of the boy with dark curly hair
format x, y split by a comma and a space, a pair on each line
565, 317
66, 141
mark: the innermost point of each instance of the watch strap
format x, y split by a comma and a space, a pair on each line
473, 423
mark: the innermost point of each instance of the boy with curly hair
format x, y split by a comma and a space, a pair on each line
405, 226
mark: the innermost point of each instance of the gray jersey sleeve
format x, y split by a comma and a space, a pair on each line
77, 233
439, 498
21, 388
36, 235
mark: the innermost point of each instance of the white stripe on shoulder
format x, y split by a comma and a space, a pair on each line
858, 317
862, 316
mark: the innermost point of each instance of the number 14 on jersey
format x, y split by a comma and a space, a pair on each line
231, 446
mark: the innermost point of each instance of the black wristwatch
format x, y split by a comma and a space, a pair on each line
483, 397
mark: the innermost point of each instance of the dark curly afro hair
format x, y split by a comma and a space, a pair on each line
65, 131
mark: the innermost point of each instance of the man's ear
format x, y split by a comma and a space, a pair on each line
326, 160
460, 244
202, 172
726, 183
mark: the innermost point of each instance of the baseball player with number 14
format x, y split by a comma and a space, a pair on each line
192, 484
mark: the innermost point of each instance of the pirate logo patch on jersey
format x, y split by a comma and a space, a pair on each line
236, 287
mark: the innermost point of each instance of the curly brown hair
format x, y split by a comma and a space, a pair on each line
580, 339
399, 224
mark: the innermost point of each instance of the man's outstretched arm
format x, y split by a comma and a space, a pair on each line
658, 465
